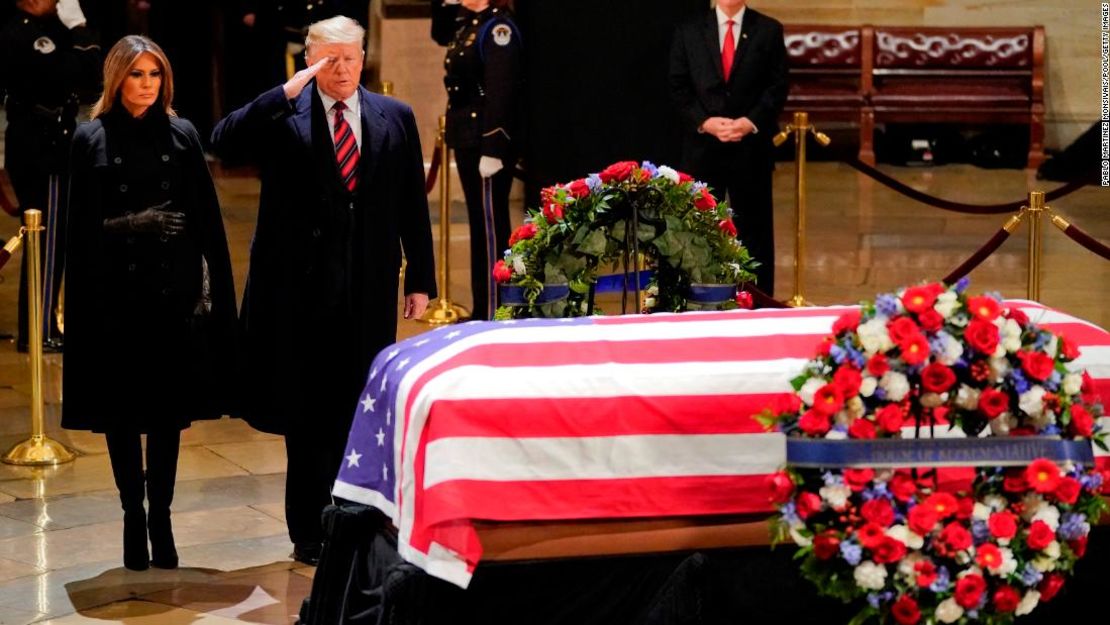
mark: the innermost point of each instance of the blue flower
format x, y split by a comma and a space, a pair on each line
887, 305
851, 552
1053, 381
1018, 381
1073, 526
1091, 481
856, 356
880, 393
838, 354
697, 187
832, 479
943, 580
650, 168
593, 181
789, 512
1051, 430
980, 532
1030, 576
873, 600
962, 283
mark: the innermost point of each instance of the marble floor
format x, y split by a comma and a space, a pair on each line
60, 528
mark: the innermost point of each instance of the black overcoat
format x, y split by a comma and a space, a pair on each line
303, 359
143, 351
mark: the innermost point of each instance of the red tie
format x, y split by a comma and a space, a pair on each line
346, 149
728, 50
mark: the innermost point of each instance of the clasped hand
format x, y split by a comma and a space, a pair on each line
728, 130
151, 220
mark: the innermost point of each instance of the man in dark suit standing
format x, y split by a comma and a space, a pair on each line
342, 196
728, 80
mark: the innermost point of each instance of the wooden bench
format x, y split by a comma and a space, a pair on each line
919, 74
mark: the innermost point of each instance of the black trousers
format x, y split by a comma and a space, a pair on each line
749, 190
481, 262
125, 450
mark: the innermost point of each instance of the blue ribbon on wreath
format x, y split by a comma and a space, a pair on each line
935, 452
515, 295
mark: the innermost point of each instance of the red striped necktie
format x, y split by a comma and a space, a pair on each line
346, 149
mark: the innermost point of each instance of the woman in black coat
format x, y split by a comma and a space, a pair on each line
150, 302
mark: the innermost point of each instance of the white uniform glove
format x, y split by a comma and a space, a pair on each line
70, 14
489, 166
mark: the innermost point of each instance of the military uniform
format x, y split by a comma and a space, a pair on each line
46, 71
484, 68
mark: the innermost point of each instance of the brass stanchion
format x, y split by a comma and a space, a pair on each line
444, 311
38, 450
799, 128
1036, 208
387, 87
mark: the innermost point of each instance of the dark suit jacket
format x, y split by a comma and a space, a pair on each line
303, 221
756, 88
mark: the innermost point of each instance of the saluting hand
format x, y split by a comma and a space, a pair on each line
297, 83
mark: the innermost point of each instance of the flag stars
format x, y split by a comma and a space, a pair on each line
422, 342
373, 373
381, 437
367, 404
388, 415
385, 471
353, 458
404, 363
393, 354
385, 378
453, 334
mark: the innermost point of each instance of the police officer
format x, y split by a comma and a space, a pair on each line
484, 70
49, 64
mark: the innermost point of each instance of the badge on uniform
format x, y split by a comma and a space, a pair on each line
502, 34
44, 45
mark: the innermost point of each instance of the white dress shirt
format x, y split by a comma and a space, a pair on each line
722, 27
351, 114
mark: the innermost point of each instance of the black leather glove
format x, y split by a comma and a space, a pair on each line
152, 220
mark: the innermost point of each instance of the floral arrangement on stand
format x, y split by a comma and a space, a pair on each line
921, 545
681, 229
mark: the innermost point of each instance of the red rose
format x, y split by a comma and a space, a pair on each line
877, 365
993, 402
1015, 483
861, 429
825, 346
871, 535
1021, 318
919, 298
787, 403
744, 300
806, 504
552, 212
828, 400
826, 545
1006, 599
704, 201
578, 188
1040, 536
937, 378
878, 511
617, 171
1067, 349
848, 322
727, 227
684, 178
965, 507
890, 418
915, 350
902, 329
1081, 421
954, 537
982, 336
502, 272
922, 519
969, 589
983, 307
889, 550
1068, 490
930, 319
926, 573
547, 194
858, 479
943, 503
1038, 365
1002, 524
848, 379
1087, 389
1078, 546
781, 487
523, 233
903, 487
1043, 475
1050, 585
905, 611
814, 423
988, 556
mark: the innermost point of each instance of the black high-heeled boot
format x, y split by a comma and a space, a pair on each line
162, 548
126, 454
161, 473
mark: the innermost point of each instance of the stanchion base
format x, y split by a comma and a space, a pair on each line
38, 451
444, 313
797, 302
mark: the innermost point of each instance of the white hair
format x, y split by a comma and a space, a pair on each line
338, 29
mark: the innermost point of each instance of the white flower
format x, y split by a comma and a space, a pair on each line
1049, 514
1008, 565
668, 173
1052, 551
867, 387
836, 496
951, 350
932, 400
1003, 423
959, 320
1072, 384
1044, 564
808, 389
948, 611
981, 512
999, 368
967, 397
1010, 335
962, 557
874, 337
902, 534
649, 302
1053, 345
797, 537
518, 264
1028, 602
999, 351
836, 435
870, 576
946, 304
895, 384
855, 408
997, 503
1031, 504
1031, 402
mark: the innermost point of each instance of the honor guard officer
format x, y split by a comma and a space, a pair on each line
49, 64
484, 69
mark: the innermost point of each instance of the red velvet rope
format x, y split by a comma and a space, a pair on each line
433, 172
1087, 241
5, 256
978, 257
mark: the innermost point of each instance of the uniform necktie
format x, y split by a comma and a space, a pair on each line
728, 50
346, 149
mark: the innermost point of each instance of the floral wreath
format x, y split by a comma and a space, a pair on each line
947, 545
585, 225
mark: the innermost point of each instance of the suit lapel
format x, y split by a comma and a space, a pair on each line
712, 38
375, 132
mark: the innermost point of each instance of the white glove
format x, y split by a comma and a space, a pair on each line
489, 166
70, 14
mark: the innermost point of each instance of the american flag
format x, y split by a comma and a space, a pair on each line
601, 417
